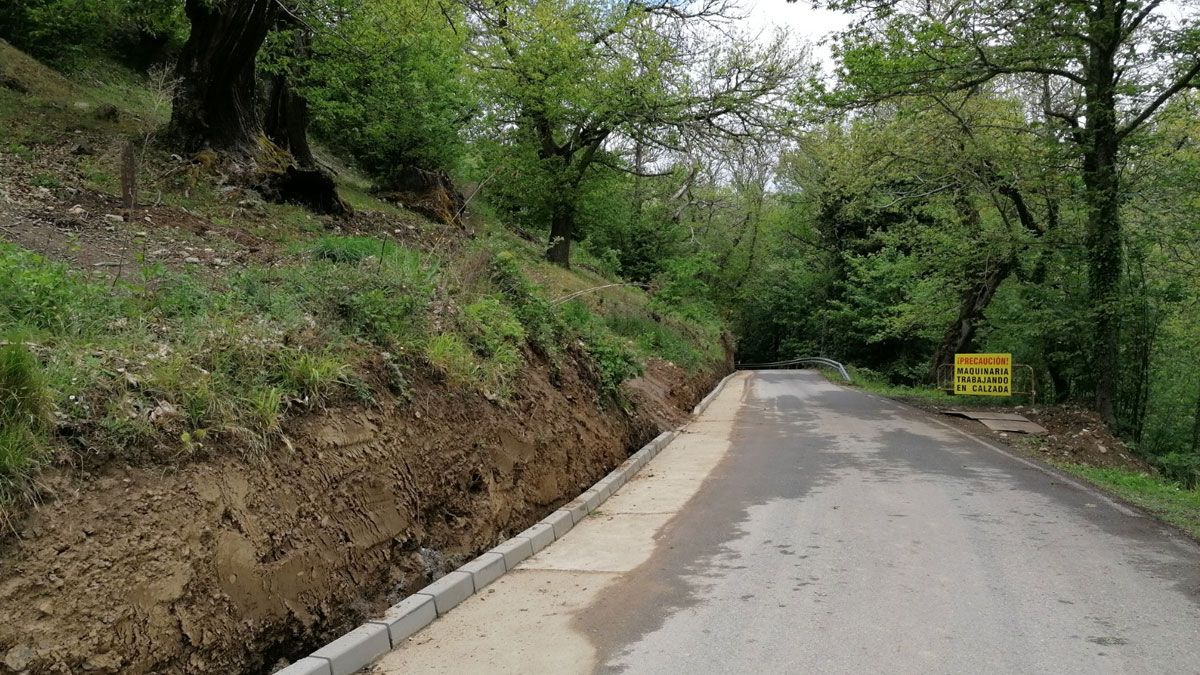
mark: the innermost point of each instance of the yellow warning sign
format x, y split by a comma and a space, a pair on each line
983, 374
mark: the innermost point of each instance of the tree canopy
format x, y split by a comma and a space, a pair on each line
1000, 175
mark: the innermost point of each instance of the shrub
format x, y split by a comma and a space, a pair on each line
23, 398
496, 332
59, 29
496, 336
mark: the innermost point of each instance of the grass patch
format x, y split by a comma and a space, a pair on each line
350, 249
1166, 499
351, 288
662, 337
615, 357
451, 355
170, 356
24, 418
874, 383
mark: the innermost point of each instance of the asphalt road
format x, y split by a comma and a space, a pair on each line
799, 526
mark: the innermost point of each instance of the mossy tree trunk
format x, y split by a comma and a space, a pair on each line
1101, 145
216, 103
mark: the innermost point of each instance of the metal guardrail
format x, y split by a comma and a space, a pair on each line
795, 363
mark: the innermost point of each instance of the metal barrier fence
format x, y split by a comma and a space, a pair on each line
797, 363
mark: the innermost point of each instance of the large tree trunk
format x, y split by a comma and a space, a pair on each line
216, 103
1104, 278
1101, 193
562, 228
571, 162
287, 111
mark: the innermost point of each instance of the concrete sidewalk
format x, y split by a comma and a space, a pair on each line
523, 623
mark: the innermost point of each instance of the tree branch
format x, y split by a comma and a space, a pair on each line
1182, 83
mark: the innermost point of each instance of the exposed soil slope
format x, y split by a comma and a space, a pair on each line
233, 564
1075, 435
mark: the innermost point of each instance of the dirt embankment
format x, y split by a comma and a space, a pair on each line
235, 564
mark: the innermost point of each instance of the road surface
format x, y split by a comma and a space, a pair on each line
799, 527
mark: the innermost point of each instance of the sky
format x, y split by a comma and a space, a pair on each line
805, 23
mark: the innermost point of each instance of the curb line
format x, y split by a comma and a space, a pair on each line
365, 644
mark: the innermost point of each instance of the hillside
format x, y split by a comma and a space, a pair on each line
268, 422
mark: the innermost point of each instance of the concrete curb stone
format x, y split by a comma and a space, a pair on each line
616, 478
450, 590
606, 489
561, 521
514, 551
485, 569
407, 617
356, 649
593, 500
540, 536
577, 508
309, 665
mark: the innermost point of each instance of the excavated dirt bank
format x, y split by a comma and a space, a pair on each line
238, 564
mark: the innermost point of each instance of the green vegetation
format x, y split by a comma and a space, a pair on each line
175, 357
1164, 498
614, 356
24, 416
878, 384
1030, 192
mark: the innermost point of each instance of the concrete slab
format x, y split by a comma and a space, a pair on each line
998, 421
505, 631
515, 550
485, 569
407, 617
986, 415
357, 649
561, 521
508, 629
450, 590
662, 495
603, 544
1017, 426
